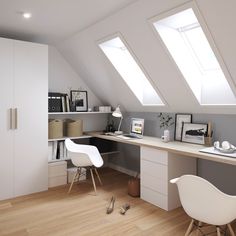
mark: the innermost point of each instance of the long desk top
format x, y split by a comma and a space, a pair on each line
186, 149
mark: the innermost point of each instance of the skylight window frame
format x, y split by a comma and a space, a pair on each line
207, 32
119, 35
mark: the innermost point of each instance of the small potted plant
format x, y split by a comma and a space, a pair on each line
165, 122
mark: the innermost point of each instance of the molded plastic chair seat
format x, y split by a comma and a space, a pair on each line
203, 202
86, 156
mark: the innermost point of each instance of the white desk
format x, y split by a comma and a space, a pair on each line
160, 162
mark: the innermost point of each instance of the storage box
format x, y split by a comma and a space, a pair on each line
57, 173
74, 128
71, 172
55, 129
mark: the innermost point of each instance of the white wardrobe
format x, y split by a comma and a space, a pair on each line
23, 118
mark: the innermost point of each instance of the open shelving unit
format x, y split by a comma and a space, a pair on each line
63, 138
78, 113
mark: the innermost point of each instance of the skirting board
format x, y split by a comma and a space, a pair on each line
122, 169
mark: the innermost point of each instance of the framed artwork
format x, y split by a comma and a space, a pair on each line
179, 121
79, 100
194, 133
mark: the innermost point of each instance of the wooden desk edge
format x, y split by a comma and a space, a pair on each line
186, 149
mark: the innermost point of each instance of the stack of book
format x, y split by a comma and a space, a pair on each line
57, 151
58, 102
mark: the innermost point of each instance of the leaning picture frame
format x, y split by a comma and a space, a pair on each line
79, 100
180, 118
194, 133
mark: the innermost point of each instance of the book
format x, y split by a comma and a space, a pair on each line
54, 153
63, 103
67, 103
61, 150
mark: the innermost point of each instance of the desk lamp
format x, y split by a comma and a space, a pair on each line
117, 113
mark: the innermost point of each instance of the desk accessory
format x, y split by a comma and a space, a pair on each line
194, 133
165, 122
179, 121
225, 147
117, 113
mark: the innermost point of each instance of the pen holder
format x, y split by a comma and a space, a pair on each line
208, 141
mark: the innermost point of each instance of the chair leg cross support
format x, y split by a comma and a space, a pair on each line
199, 225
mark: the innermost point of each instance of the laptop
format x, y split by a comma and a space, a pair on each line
136, 129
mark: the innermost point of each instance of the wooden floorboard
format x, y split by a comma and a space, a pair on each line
54, 212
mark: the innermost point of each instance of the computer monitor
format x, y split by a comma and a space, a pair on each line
137, 127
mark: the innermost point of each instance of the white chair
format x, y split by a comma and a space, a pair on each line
84, 156
204, 203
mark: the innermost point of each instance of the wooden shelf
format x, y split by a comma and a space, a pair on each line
63, 138
78, 113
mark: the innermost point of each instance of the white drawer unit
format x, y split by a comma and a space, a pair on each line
57, 174
158, 167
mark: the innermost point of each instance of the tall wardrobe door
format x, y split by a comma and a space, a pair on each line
6, 134
31, 103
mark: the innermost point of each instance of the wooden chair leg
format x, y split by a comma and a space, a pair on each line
218, 231
190, 228
98, 176
72, 182
94, 185
198, 228
230, 230
79, 173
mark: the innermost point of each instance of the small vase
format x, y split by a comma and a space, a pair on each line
166, 136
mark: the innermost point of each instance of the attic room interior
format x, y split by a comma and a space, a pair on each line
118, 117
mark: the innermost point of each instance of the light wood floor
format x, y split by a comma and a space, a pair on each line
82, 213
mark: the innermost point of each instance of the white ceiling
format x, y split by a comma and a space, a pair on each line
76, 26
53, 20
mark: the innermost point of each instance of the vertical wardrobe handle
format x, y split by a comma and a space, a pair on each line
15, 116
11, 118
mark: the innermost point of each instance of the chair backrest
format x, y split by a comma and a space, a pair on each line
83, 155
204, 202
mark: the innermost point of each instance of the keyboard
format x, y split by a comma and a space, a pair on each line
111, 134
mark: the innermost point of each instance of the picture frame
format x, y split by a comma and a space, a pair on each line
194, 133
79, 100
180, 118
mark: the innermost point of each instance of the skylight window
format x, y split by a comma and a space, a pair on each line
125, 64
187, 43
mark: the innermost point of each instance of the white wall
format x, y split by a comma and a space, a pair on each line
132, 22
62, 77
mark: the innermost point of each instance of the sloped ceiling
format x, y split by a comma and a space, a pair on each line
76, 26
53, 20
132, 22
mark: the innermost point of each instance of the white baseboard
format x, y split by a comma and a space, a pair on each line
122, 169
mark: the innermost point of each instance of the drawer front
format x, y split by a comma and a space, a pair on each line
155, 184
153, 169
155, 198
57, 181
154, 155
57, 170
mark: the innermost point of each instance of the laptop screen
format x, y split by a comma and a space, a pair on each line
137, 126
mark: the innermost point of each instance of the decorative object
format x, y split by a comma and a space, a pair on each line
226, 147
165, 122
179, 120
194, 133
79, 100
117, 113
